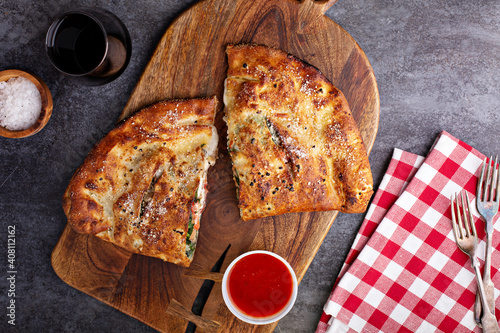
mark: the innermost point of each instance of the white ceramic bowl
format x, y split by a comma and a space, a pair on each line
242, 315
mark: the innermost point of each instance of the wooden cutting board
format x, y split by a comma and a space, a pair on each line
190, 62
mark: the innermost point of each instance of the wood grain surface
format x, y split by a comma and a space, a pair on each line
190, 62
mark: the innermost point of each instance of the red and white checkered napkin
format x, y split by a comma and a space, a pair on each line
404, 272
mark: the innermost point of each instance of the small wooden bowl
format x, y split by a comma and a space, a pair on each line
47, 104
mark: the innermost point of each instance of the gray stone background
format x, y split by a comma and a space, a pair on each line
437, 68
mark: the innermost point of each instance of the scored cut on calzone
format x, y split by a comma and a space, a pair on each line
292, 139
143, 186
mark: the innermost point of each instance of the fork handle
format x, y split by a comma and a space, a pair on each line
488, 319
489, 288
488, 284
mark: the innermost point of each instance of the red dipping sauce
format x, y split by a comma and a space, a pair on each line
260, 285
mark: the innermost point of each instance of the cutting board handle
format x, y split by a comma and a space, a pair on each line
178, 310
311, 10
326, 4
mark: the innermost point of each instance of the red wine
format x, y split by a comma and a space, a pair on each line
89, 45
78, 44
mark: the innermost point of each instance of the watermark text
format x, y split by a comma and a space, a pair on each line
11, 274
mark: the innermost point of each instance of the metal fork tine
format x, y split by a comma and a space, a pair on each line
479, 189
454, 219
497, 178
464, 214
459, 219
488, 182
471, 220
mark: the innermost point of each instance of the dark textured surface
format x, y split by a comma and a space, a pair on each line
437, 68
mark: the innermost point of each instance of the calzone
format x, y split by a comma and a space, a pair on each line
143, 186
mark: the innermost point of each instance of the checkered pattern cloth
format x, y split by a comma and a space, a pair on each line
404, 272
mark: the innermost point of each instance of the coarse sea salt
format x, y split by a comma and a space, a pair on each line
20, 103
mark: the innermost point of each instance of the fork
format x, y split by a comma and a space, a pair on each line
487, 199
466, 239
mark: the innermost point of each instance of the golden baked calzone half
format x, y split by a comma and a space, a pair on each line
143, 186
292, 139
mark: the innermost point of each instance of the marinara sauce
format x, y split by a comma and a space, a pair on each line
260, 285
